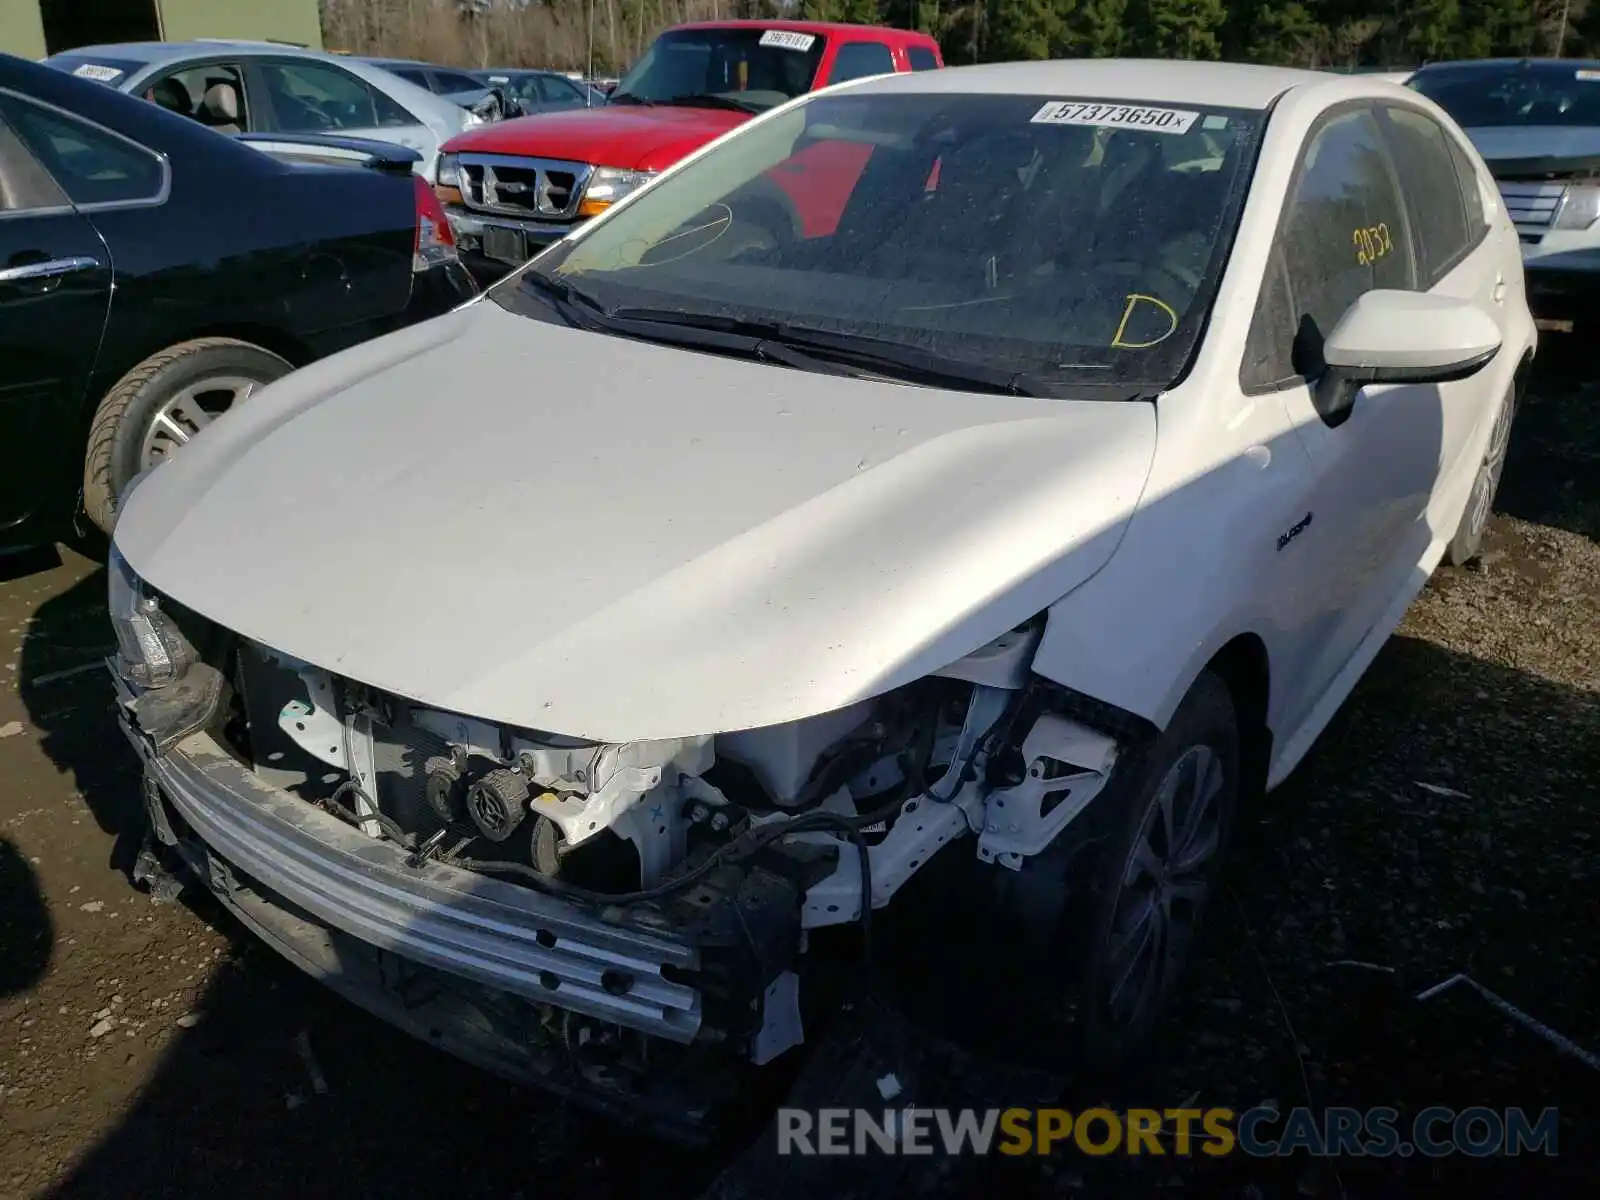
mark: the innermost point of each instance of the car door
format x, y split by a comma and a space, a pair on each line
1456, 258
55, 291
1368, 470
304, 95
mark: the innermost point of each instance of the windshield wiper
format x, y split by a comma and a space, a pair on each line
806, 348
565, 299
629, 98
690, 100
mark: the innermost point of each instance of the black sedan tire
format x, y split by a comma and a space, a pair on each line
159, 405
1157, 873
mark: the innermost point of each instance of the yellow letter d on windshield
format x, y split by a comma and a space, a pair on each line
1134, 299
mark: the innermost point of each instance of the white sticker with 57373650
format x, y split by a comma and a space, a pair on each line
1103, 114
787, 39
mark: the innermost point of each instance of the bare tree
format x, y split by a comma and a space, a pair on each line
534, 33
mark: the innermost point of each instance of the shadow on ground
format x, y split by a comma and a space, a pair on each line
1494, 875
26, 931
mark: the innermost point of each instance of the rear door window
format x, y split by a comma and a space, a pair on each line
313, 97
922, 59
854, 60
453, 81
559, 93
1433, 190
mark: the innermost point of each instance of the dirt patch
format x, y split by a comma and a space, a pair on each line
1446, 822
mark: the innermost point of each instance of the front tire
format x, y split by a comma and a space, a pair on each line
159, 405
1156, 876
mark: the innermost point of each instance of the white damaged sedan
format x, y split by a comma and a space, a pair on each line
1005, 469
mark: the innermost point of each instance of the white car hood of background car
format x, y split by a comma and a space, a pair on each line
615, 540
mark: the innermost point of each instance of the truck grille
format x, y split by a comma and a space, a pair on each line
540, 188
1532, 206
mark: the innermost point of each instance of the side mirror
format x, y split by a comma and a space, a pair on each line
1402, 337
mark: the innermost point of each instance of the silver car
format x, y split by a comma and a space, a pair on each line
457, 86
266, 87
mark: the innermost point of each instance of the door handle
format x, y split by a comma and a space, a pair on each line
1499, 292
48, 269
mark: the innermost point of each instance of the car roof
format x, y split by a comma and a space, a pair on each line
159, 52
881, 33
1222, 85
154, 55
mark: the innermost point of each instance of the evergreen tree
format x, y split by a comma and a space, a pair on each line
1027, 28
1176, 28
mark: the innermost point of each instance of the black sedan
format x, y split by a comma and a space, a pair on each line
153, 273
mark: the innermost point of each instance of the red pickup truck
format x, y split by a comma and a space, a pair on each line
513, 187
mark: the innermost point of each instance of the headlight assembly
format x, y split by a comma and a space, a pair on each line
151, 651
607, 185
1578, 208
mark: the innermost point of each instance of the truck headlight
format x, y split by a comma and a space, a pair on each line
1578, 208
447, 179
607, 185
150, 650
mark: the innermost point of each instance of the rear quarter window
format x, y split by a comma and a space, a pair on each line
922, 59
92, 165
853, 60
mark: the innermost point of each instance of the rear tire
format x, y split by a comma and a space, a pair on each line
182, 388
1468, 540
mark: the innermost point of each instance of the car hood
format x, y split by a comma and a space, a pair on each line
1501, 143
629, 136
616, 540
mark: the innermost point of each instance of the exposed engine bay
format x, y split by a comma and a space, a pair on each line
747, 845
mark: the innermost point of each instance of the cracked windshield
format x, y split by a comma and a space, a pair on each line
1016, 241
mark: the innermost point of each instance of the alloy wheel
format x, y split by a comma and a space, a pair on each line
1164, 885
188, 411
1494, 461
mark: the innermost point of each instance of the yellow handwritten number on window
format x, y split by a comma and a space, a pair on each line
1372, 243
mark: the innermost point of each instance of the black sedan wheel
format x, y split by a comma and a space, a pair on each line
162, 403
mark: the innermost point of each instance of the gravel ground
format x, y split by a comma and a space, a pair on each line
1446, 822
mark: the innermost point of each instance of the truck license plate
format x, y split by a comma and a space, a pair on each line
506, 245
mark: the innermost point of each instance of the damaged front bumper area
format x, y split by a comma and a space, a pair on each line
524, 985
641, 926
